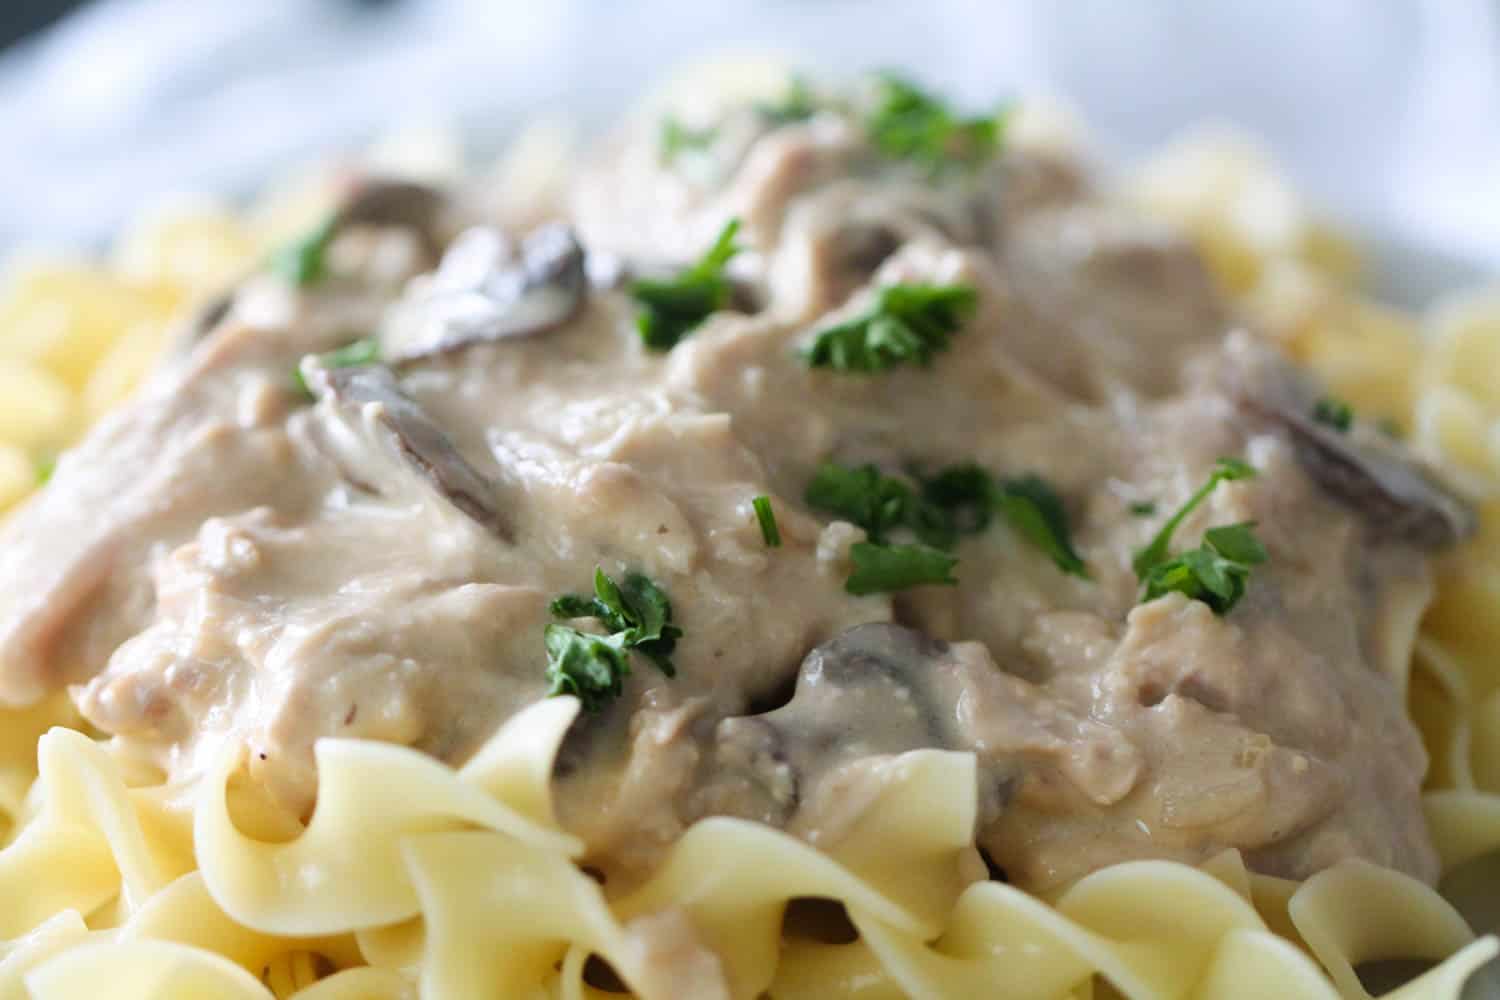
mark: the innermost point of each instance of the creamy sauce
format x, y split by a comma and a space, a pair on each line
225, 560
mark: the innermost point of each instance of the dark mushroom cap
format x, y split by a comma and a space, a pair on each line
484, 292
419, 439
1377, 477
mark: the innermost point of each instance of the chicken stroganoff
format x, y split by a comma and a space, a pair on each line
819, 431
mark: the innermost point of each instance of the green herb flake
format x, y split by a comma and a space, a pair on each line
303, 262
861, 495
1036, 513
885, 568
1217, 571
638, 616
45, 467
365, 351
1335, 413
677, 138
672, 308
1143, 508
797, 104
769, 530
591, 667
964, 493
1225, 470
908, 323
958, 500
907, 123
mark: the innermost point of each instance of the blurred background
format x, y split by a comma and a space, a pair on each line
1386, 112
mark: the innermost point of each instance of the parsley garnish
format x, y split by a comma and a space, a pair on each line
907, 323
1143, 508
303, 261
1036, 513
1215, 572
880, 504
880, 568
964, 493
365, 351
45, 466
907, 123
591, 667
958, 500
677, 137
796, 105
1334, 412
672, 308
767, 518
637, 614
863, 496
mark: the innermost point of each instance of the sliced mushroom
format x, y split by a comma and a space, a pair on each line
418, 438
483, 293
1374, 475
379, 202
858, 695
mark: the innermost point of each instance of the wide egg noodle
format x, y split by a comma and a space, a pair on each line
345, 870
142, 970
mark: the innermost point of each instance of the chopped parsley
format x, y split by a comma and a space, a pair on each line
907, 123
1334, 412
303, 261
45, 466
677, 138
1217, 571
671, 308
590, 667
882, 568
1143, 508
965, 495
959, 500
364, 351
593, 667
862, 495
797, 104
907, 323
1036, 513
767, 518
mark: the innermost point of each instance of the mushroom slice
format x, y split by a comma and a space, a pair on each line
860, 695
482, 292
1376, 476
373, 392
405, 204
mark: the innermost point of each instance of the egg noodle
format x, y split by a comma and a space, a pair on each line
417, 879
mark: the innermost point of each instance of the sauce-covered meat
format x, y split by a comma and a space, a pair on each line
265, 547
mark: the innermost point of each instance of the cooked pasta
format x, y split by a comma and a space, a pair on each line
414, 878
